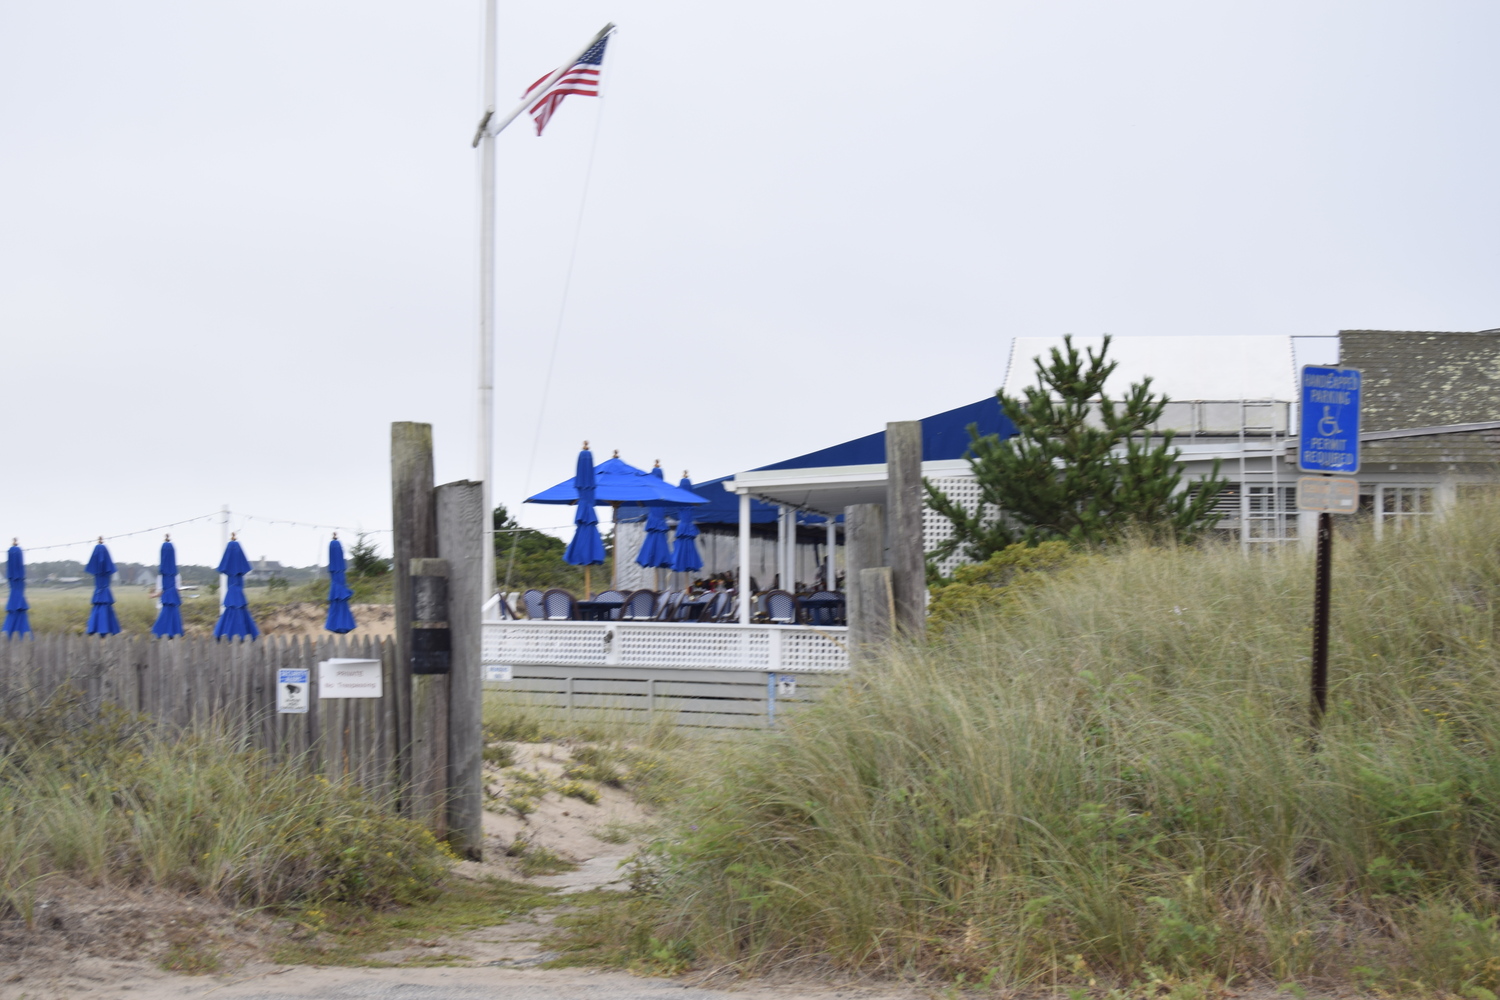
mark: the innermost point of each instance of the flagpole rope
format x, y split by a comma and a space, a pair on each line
562, 312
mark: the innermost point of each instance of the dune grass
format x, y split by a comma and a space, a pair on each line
1112, 781
113, 800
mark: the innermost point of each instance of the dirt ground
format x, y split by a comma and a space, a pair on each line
307, 618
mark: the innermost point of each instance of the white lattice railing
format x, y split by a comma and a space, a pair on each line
782, 648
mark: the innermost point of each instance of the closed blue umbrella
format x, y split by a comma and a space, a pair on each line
169, 619
656, 552
685, 558
102, 620
235, 621
340, 618
587, 548
16, 622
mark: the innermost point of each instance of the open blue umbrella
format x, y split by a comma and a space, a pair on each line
235, 621
169, 619
586, 548
102, 620
618, 482
656, 552
340, 618
16, 607
685, 558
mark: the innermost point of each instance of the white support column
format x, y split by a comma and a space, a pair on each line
781, 547
744, 578
832, 580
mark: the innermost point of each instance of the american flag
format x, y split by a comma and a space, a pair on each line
581, 78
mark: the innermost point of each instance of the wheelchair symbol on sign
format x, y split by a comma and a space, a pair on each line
1328, 424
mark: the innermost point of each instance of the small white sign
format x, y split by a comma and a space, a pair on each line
291, 690
497, 671
1328, 494
786, 687
349, 679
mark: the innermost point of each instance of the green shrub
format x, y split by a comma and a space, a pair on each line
988, 588
117, 800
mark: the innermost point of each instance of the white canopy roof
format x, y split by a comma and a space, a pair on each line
1216, 367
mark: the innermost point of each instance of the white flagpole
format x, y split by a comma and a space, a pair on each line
487, 304
484, 139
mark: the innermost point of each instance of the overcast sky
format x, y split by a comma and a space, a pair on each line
239, 239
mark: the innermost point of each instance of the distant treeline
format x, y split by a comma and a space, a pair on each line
70, 572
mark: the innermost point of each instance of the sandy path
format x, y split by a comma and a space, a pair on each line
130, 981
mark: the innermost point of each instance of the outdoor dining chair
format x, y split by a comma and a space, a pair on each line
639, 606
781, 607
695, 610
723, 608
611, 595
667, 605
532, 602
728, 609
558, 605
823, 608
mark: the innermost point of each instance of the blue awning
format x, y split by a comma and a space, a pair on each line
945, 436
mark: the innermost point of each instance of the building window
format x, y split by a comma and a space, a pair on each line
1398, 508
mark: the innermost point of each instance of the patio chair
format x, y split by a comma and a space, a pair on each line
695, 610
729, 609
723, 609
506, 612
611, 595
531, 600
667, 604
639, 606
780, 607
826, 607
558, 605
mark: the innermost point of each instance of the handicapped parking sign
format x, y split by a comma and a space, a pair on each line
1330, 420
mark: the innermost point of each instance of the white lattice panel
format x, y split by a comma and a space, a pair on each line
557, 642
936, 528
693, 646
787, 648
813, 652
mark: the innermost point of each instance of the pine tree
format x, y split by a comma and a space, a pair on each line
1082, 468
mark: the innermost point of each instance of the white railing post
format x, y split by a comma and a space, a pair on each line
774, 652
612, 645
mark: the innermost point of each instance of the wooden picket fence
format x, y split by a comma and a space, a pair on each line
192, 683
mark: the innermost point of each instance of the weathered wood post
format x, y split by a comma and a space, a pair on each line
864, 548
903, 492
414, 535
431, 659
461, 540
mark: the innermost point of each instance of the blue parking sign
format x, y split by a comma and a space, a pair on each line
1330, 420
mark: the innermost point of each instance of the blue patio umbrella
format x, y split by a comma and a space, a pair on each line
16, 607
340, 618
169, 619
235, 621
102, 620
656, 552
685, 558
617, 482
586, 548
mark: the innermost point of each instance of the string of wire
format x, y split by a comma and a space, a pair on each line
218, 514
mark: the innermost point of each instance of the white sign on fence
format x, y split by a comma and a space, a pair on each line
349, 679
497, 671
291, 690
